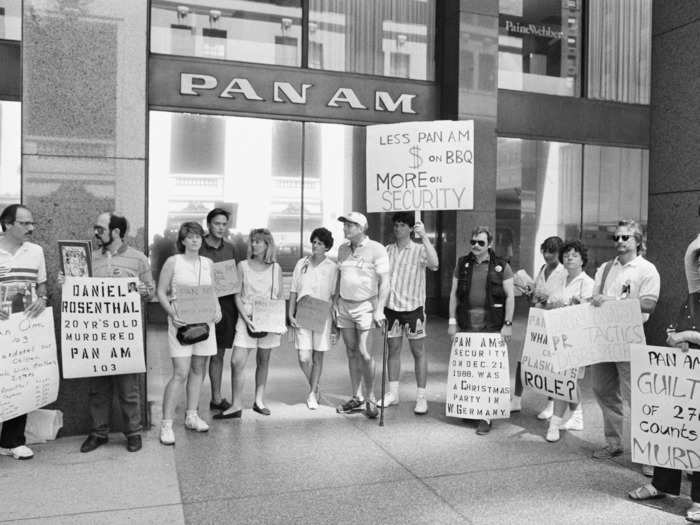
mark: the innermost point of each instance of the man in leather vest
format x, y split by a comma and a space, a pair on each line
482, 297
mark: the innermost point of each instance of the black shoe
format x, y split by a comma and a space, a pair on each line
351, 405
92, 442
223, 405
261, 410
232, 415
371, 410
484, 427
133, 443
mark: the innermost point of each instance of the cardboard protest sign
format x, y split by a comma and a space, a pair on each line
312, 313
584, 334
195, 304
101, 327
536, 363
226, 281
665, 407
420, 166
269, 315
478, 378
28, 364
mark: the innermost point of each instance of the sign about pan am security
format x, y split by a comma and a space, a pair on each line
420, 166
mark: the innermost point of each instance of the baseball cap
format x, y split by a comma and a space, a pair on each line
355, 217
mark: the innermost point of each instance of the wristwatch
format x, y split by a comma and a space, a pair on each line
508, 323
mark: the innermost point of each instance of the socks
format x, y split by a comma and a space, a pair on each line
394, 389
420, 392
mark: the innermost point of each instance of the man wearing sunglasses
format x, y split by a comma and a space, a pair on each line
482, 298
628, 275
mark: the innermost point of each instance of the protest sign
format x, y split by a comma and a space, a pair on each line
312, 313
101, 327
226, 280
195, 304
665, 407
478, 378
584, 334
420, 166
269, 315
536, 363
28, 364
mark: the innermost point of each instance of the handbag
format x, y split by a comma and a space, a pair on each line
260, 335
196, 332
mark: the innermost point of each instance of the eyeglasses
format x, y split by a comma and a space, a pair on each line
25, 223
99, 230
476, 241
618, 238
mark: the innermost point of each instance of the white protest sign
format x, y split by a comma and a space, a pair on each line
195, 304
584, 334
665, 417
28, 364
269, 315
536, 363
478, 378
101, 327
226, 280
420, 166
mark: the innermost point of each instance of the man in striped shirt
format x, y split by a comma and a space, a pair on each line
404, 311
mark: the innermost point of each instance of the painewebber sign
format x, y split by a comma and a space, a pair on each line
101, 327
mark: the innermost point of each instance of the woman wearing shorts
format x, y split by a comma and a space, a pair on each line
187, 268
313, 276
260, 276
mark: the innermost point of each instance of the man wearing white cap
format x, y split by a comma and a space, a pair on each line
363, 290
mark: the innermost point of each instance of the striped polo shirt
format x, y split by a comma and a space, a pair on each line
407, 276
21, 269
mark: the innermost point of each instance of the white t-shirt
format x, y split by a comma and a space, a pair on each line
316, 281
581, 287
639, 277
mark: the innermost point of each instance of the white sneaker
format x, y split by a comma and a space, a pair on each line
21, 452
389, 400
196, 423
552, 433
421, 406
167, 436
575, 422
516, 404
311, 401
547, 412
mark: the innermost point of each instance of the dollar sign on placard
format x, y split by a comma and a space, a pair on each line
416, 160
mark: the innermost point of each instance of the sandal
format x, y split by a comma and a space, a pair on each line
647, 491
693, 513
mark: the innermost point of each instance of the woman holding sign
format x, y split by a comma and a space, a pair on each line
261, 284
186, 269
314, 277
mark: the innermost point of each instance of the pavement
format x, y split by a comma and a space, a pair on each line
303, 466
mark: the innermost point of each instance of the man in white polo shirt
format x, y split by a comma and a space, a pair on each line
363, 288
629, 275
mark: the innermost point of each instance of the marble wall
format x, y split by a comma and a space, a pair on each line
83, 131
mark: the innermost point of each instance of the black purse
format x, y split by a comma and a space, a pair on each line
260, 335
196, 332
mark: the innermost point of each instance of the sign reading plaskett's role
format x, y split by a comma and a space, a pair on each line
420, 166
101, 328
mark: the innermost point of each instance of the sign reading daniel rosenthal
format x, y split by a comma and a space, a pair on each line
101, 330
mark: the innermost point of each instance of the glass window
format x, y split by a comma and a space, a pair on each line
539, 46
392, 38
10, 153
264, 31
10, 20
619, 50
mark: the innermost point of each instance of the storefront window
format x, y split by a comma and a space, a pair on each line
10, 153
10, 20
619, 50
264, 31
380, 37
539, 46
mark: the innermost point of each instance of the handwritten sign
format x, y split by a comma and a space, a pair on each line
665, 407
226, 281
269, 315
101, 327
28, 364
196, 304
584, 334
312, 313
420, 166
478, 379
536, 364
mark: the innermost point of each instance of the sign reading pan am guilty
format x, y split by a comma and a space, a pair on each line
420, 166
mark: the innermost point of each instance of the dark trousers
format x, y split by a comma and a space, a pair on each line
669, 481
101, 392
518, 381
12, 434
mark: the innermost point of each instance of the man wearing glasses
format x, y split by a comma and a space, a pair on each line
23, 285
482, 298
114, 258
629, 275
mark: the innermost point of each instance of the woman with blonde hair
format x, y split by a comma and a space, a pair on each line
260, 276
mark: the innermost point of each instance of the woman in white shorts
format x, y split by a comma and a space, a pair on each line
260, 276
313, 276
187, 268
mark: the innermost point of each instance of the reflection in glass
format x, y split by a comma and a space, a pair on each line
394, 38
10, 153
539, 46
10, 20
264, 31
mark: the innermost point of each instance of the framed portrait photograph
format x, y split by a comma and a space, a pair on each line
76, 258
